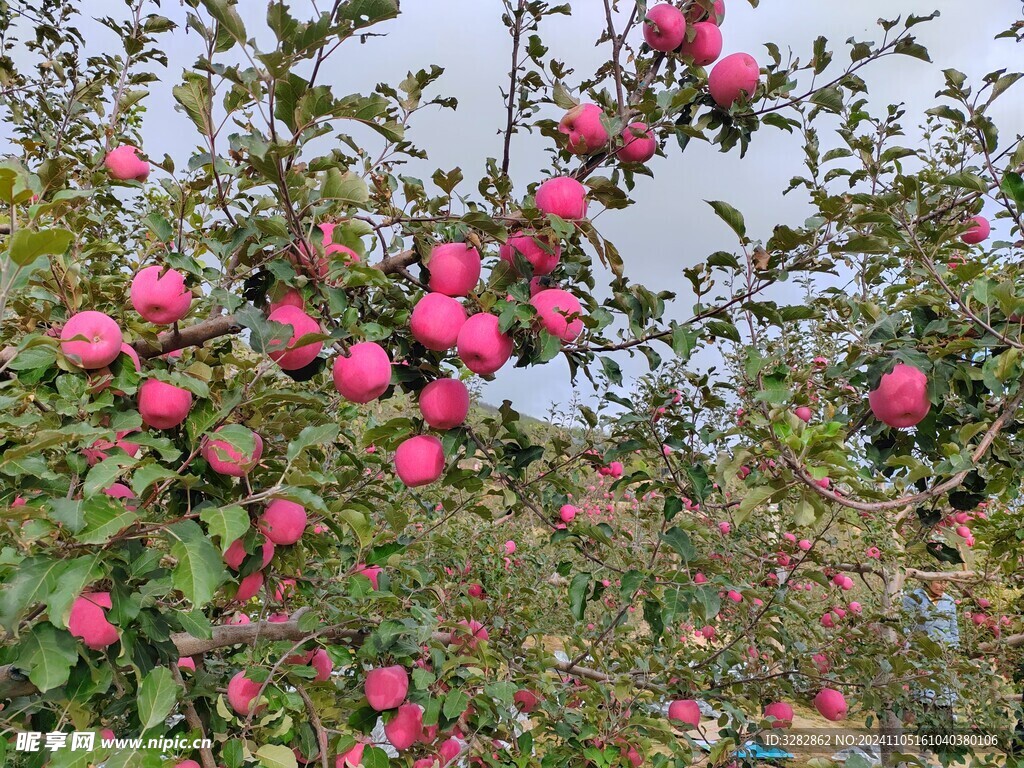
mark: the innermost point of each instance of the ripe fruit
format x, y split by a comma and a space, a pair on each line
782, 712
449, 750
476, 632
638, 144
160, 295
124, 165
239, 619
225, 459
436, 321
697, 12
241, 693
526, 700
249, 586
162, 405
901, 399
541, 253
372, 572
454, 269
365, 374
979, 231
684, 711
284, 521
331, 248
664, 28
567, 513
97, 452
562, 196
101, 343
121, 491
706, 46
803, 413
286, 354
318, 660
733, 77
444, 403
419, 460
831, 704
187, 662
234, 555
582, 124
351, 759
406, 727
386, 687
559, 312
482, 346
88, 621
288, 297
188, 764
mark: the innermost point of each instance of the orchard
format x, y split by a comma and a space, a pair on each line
254, 497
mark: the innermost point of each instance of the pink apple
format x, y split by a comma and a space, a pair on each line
450, 749
372, 572
706, 46
562, 196
225, 459
567, 513
855, 607
540, 252
318, 660
97, 452
353, 758
187, 662
734, 76
286, 354
121, 491
91, 340
405, 728
162, 405
697, 12
831, 704
638, 144
241, 693
482, 347
283, 522
123, 164
685, 711
160, 295
436, 321
475, 591
510, 547
979, 231
664, 28
804, 544
454, 269
287, 297
476, 632
331, 248
444, 403
901, 399
386, 687
526, 700
582, 125
188, 764
239, 619
249, 587
88, 620
803, 413
419, 460
364, 374
559, 313
234, 556
725, 528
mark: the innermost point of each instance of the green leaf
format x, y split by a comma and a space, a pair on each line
196, 624
375, 757
157, 697
33, 582
104, 518
103, 475
1013, 186
200, 569
276, 756
754, 498
324, 434
730, 216
578, 595
966, 181
679, 540
26, 246
455, 704
47, 654
228, 523
364, 13
829, 98
347, 187
74, 577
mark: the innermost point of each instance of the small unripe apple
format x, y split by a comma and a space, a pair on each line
454, 269
582, 125
685, 711
160, 295
288, 356
249, 587
405, 728
444, 403
559, 312
163, 405
482, 347
664, 28
419, 460
638, 144
733, 77
283, 522
234, 555
901, 399
436, 321
562, 196
91, 340
706, 46
831, 704
782, 712
979, 231
364, 374
88, 620
123, 164
386, 687
541, 253
241, 693
225, 459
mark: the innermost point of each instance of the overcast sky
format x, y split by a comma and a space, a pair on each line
670, 228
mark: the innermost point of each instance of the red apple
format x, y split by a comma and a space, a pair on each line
241, 693
372, 572
353, 758
638, 144
121, 491
286, 297
283, 522
88, 620
979, 231
782, 712
706, 46
238, 619
541, 253
406, 727
831, 704
901, 399
97, 452
449, 750
474, 633
419, 460
318, 660
444, 403
803, 413
249, 586
482, 347
664, 28
188, 764
734, 76
562, 196
234, 556
363, 375
436, 321
287, 354
526, 700
225, 459
124, 165
685, 711
454, 269
162, 405
386, 687
160, 295
91, 340
331, 247
582, 125
567, 513
697, 12
559, 312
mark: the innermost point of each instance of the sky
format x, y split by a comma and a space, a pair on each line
670, 228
